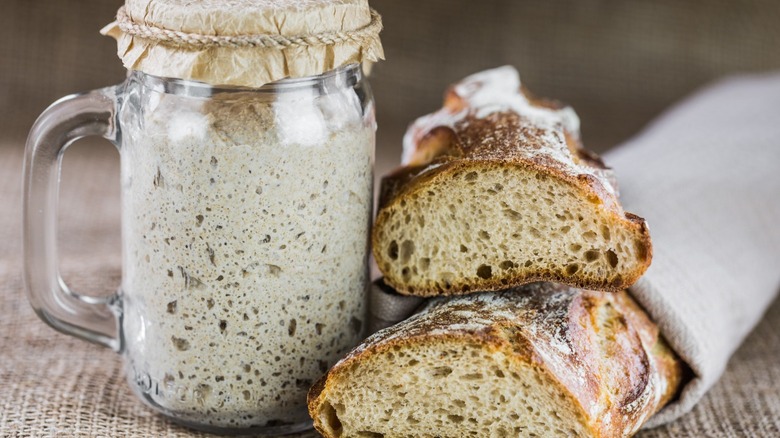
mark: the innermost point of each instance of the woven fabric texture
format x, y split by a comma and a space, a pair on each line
705, 177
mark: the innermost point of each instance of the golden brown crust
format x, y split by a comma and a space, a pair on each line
510, 138
666, 362
600, 349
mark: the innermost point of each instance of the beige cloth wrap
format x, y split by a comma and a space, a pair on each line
706, 176
245, 42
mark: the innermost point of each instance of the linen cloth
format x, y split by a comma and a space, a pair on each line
706, 177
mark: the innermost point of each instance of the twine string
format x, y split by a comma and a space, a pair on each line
363, 36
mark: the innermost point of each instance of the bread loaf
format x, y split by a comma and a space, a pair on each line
497, 191
542, 360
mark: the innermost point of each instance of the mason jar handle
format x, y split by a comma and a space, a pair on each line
94, 319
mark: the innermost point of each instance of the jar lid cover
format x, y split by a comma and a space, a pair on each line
245, 42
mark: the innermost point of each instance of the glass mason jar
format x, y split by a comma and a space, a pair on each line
245, 223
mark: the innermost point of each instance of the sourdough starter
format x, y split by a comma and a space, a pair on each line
245, 225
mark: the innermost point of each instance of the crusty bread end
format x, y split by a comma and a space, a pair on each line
544, 360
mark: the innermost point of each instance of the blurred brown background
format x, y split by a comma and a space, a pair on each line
619, 63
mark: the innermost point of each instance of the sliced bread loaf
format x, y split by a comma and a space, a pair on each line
542, 360
497, 191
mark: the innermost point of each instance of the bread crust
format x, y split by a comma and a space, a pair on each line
462, 138
600, 350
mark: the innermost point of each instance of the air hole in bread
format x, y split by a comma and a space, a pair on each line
369, 434
425, 263
447, 278
575, 247
392, 250
612, 258
442, 371
591, 255
406, 273
506, 264
512, 214
572, 269
455, 418
330, 418
484, 235
463, 248
471, 176
590, 236
484, 271
472, 376
605, 232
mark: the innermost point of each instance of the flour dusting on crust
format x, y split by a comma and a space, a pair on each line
599, 346
545, 133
